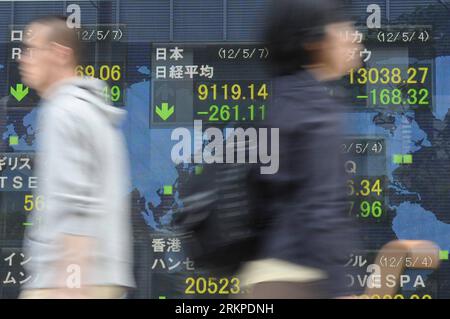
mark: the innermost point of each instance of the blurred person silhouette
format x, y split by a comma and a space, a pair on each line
310, 237
80, 244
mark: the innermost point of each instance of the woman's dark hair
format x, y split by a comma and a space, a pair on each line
294, 23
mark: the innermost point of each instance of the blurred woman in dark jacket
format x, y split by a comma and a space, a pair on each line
310, 236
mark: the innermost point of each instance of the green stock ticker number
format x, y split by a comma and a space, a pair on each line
412, 96
225, 113
112, 93
367, 209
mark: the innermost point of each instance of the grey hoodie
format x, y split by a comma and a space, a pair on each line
83, 175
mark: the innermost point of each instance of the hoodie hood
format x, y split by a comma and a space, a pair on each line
92, 91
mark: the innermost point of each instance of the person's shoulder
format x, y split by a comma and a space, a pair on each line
300, 101
299, 92
66, 111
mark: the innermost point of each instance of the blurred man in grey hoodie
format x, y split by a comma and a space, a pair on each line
80, 246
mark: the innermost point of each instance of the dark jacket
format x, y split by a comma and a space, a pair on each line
306, 199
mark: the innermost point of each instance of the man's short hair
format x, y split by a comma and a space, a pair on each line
62, 34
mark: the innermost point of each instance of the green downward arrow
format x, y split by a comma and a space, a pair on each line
165, 111
19, 92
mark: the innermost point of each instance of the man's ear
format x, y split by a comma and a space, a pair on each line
63, 53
